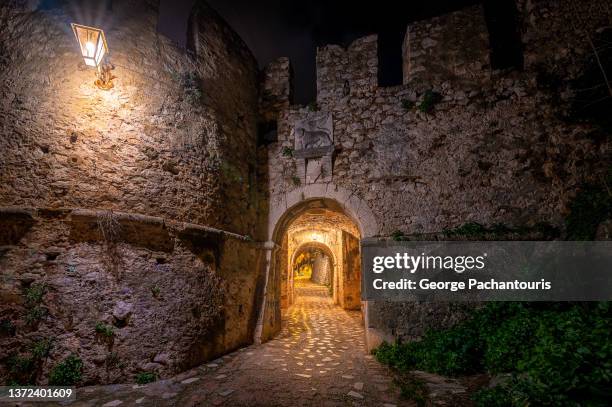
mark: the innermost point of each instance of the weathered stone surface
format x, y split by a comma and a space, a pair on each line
122, 311
105, 196
458, 142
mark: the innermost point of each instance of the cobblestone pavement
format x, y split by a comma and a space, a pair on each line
318, 359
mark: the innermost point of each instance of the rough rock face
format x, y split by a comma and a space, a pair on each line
162, 142
458, 142
107, 197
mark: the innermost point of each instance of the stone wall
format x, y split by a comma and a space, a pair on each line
322, 270
108, 197
454, 46
172, 294
163, 142
457, 143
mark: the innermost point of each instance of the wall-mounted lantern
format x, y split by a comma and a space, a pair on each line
94, 49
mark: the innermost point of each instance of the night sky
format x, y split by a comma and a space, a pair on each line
274, 28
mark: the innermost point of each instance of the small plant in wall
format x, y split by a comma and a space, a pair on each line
155, 291
398, 236
41, 348
145, 377
287, 151
296, 180
67, 373
105, 333
33, 302
430, 99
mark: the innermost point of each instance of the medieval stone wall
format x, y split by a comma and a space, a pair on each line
108, 197
458, 142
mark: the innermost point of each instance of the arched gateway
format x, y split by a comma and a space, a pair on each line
322, 214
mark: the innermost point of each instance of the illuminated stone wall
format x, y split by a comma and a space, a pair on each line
458, 142
107, 198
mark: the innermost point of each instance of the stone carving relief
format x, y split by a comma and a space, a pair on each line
314, 147
314, 134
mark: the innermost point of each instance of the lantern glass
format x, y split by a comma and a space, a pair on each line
92, 43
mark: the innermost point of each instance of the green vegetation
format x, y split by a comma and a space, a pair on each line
430, 99
23, 369
475, 230
104, 330
145, 377
287, 151
41, 349
557, 353
34, 294
67, 373
33, 299
296, 180
412, 388
155, 291
398, 236
589, 208
35, 314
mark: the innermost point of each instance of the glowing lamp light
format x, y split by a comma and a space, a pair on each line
94, 49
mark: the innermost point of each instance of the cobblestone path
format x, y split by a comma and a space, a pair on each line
318, 359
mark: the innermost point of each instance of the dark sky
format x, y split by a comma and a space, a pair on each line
274, 28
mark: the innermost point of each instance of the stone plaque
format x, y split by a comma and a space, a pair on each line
314, 135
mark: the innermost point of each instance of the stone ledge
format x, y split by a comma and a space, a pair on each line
151, 232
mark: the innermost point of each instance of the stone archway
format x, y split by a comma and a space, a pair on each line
283, 213
330, 265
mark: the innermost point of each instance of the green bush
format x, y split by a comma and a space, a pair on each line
35, 314
557, 353
287, 151
430, 99
398, 236
22, 369
41, 349
145, 377
67, 372
34, 294
497, 396
106, 331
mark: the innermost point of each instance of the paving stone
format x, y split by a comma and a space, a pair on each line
281, 371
